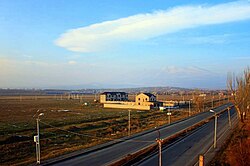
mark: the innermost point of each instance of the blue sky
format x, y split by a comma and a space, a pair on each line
110, 43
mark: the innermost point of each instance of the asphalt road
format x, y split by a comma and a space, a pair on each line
117, 151
186, 151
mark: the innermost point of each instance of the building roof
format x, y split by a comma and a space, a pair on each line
149, 94
113, 93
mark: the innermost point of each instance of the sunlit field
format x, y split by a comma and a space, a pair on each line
68, 124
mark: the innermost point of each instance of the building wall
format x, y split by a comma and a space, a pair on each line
126, 106
170, 103
120, 102
113, 96
102, 98
141, 99
144, 100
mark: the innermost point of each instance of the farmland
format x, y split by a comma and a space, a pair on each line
67, 125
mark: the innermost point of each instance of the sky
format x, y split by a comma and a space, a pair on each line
118, 44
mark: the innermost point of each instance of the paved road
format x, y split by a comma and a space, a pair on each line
110, 154
186, 151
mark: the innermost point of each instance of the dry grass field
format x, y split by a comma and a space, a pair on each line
67, 125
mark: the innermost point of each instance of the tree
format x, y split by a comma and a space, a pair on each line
239, 88
198, 101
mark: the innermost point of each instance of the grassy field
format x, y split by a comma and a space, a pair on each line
67, 125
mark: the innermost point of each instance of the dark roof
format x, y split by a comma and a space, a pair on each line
104, 93
149, 94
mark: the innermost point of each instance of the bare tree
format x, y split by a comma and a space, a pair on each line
198, 101
239, 88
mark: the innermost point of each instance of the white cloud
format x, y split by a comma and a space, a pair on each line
188, 70
103, 35
72, 62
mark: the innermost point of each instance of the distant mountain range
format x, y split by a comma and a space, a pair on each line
156, 90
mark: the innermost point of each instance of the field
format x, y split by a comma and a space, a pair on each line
67, 125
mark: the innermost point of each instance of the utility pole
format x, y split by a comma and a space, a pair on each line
215, 127
213, 101
189, 108
38, 155
203, 104
215, 131
129, 125
37, 140
159, 141
219, 100
169, 118
229, 117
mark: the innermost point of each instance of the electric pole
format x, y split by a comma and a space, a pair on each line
159, 141
229, 118
213, 101
215, 127
37, 140
169, 118
129, 125
189, 108
215, 131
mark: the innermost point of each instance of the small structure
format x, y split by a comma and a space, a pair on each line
170, 103
202, 95
110, 97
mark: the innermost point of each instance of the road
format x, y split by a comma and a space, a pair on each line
119, 150
186, 151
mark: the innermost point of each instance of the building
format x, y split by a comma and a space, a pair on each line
143, 101
170, 103
109, 97
147, 99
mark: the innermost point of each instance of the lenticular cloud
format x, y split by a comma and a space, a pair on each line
100, 36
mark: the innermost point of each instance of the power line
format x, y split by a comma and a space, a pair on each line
90, 136
85, 135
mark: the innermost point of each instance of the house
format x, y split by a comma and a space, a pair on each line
113, 97
147, 99
143, 101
